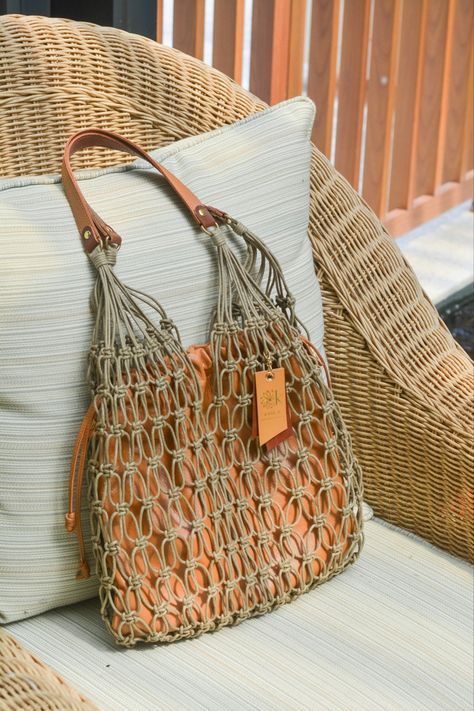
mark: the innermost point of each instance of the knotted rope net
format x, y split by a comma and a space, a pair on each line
195, 525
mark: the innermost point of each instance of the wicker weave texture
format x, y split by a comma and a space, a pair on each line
403, 384
26, 683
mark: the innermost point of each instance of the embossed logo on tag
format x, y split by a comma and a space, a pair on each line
270, 397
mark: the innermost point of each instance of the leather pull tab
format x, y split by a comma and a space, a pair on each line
271, 407
70, 522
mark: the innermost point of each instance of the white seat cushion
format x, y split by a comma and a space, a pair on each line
393, 632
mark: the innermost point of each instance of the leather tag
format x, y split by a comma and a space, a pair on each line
270, 405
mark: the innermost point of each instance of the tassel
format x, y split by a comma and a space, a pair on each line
255, 327
266, 316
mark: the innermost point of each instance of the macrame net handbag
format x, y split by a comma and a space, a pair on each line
221, 479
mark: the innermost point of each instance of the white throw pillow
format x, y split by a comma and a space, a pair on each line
257, 170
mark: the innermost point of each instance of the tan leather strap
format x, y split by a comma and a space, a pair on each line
91, 227
72, 519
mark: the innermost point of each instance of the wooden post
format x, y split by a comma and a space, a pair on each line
352, 88
296, 48
188, 27
159, 20
228, 37
270, 48
407, 104
467, 158
380, 103
322, 68
431, 96
460, 84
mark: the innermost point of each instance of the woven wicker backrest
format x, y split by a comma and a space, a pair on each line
403, 384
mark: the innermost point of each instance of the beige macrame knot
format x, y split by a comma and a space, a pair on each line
238, 227
217, 237
103, 257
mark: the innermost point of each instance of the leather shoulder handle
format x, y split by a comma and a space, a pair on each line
91, 227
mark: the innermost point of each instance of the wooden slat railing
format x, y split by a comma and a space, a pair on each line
392, 80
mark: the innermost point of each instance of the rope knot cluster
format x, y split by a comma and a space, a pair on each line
101, 258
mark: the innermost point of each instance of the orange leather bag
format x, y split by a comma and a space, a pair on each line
221, 479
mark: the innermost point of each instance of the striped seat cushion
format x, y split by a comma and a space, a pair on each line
394, 632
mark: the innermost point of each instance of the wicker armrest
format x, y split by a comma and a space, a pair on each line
26, 683
404, 384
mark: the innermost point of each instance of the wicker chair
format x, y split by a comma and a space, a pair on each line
403, 383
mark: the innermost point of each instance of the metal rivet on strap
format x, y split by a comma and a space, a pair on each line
86, 234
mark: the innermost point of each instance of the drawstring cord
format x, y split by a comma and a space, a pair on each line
72, 519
